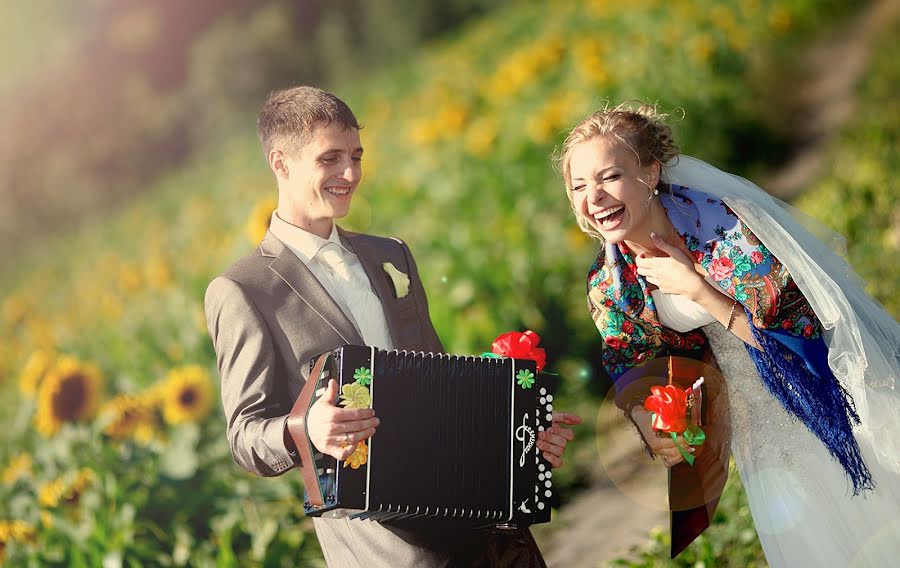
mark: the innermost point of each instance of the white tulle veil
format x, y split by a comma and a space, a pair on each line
863, 339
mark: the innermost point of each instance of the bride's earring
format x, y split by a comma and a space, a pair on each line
655, 191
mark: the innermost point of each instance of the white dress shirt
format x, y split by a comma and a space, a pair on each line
339, 271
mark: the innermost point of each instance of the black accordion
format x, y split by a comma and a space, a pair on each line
456, 439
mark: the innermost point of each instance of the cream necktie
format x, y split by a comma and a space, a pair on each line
332, 257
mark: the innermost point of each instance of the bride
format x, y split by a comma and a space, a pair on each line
696, 262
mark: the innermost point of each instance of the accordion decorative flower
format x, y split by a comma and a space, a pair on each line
399, 279
359, 457
362, 376
520, 345
525, 378
355, 395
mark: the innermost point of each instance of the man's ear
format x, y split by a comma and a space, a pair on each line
278, 163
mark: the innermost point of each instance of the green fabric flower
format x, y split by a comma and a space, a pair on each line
362, 376
525, 378
354, 395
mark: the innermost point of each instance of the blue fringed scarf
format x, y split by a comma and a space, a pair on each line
793, 362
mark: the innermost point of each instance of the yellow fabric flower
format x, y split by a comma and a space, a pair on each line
355, 395
260, 217
34, 371
19, 467
187, 395
69, 393
359, 456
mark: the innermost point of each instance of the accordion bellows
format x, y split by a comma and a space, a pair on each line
456, 439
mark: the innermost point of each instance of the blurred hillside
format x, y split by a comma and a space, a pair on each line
100, 98
131, 466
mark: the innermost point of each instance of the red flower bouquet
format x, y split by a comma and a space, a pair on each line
675, 412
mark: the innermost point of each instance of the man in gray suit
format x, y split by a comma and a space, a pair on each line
311, 287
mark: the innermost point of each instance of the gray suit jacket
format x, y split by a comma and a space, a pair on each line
268, 316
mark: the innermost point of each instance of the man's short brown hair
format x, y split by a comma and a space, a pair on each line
290, 116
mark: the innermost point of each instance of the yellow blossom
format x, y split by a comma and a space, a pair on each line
129, 278
15, 531
260, 217
780, 20
481, 135
34, 371
158, 271
354, 395
19, 467
358, 457
70, 393
701, 48
589, 54
127, 415
66, 489
187, 394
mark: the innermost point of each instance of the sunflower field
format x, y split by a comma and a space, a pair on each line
114, 448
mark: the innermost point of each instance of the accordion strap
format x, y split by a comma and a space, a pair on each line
296, 424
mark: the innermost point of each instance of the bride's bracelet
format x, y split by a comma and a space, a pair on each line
731, 315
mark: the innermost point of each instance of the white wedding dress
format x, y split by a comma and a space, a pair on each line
802, 503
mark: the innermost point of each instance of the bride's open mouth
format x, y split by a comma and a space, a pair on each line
610, 218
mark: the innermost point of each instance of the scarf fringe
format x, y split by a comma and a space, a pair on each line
821, 403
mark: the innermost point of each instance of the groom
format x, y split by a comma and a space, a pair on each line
311, 287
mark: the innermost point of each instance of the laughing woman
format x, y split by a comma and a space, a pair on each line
695, 260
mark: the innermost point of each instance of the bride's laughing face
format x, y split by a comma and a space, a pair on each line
610, 190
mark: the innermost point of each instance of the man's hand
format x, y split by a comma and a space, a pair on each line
662, 446
552, 442
336, 431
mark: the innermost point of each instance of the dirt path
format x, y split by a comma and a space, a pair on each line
612, 515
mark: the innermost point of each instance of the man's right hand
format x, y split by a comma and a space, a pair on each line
662, 446
335, 431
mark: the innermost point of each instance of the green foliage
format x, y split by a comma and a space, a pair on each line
730, 540
858, 195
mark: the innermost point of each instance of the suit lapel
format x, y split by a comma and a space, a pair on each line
370, 260
286, 265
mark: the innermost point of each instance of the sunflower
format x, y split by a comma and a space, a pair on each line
69, 393
34, 371
187, 394
18, 531
67, 489
260, 217
19, 467
129, 416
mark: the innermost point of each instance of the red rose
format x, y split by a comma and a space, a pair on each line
698, 255
669, 404
627, 327
807, 330
521, 346
608, 303
616, 343
721, 269
786, 324
756, 257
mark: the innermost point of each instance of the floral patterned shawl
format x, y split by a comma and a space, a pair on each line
793, 359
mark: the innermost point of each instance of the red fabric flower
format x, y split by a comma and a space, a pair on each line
698, 255
627, 326
669, 405
786, 324
520, 345
756, 257
721, 269
807, 330
616, 343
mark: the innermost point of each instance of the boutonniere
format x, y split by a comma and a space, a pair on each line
400, 279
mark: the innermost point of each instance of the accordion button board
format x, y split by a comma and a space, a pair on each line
456, 439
